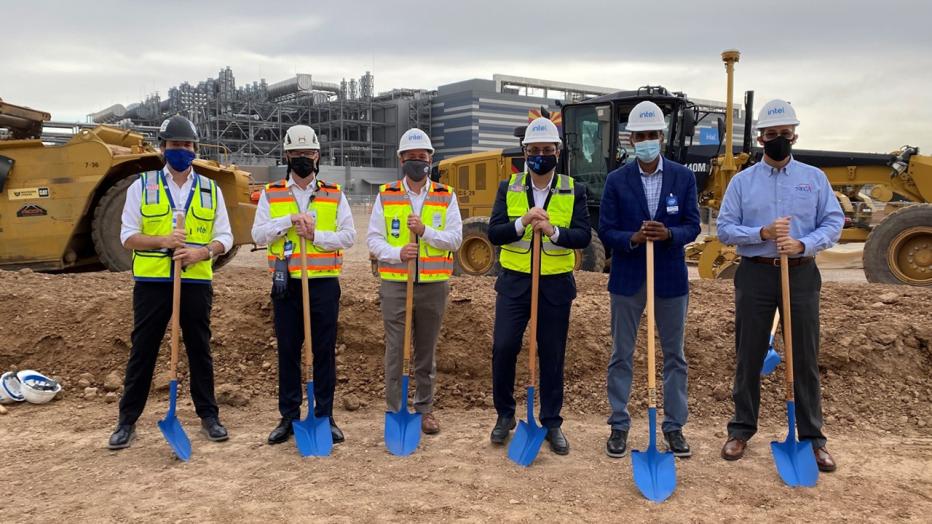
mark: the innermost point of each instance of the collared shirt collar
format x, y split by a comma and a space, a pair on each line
404, 184
311, 186
773, 170
659, 168
168, 175
546, 187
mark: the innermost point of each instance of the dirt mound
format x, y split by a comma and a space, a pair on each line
876, 358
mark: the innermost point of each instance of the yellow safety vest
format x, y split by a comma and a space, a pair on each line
155, 265
323, 207
433, 265
555, 260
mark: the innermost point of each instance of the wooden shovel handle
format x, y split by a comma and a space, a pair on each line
535, 292
176, 303
306, 308
409, 312
787, 324
651, 347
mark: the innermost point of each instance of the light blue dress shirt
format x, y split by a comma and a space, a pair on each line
761, 194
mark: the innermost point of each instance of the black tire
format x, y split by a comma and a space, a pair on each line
592, 258
899, 249
225, 258
105, 227
476, 256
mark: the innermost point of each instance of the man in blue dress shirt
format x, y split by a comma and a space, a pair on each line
778, 207
652, 198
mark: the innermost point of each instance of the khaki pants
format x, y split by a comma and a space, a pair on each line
430, 301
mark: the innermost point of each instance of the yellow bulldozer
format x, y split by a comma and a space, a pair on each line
60, 205
897, 250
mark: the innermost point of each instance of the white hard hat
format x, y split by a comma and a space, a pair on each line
11, 388
541, 130
646, 116
776, 113
414, 138
36, 387
301, 137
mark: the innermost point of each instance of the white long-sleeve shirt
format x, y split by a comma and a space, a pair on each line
266, 229
132, 213
449, 239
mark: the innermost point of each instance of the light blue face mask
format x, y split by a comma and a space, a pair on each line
647, 150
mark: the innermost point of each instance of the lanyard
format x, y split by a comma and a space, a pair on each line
194, 185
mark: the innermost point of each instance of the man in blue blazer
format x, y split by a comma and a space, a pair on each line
652, 198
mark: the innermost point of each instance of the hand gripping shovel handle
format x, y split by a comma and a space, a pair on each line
306, 308
787, 324
535, 293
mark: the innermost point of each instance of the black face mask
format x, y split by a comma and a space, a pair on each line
303, 166
416, 170
541, 164
778, 149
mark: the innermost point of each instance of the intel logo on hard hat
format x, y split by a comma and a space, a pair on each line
647, 114
539, 128
775, 111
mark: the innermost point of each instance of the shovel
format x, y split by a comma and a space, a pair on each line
795, 460
170, 425
772, 360
312, 435
654, 472
529, 436
402, 427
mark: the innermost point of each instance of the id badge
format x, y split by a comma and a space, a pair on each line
438, 219
673, 207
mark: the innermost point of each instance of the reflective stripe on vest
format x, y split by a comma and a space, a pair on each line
433, 265
323, 206
555, 259
155, 265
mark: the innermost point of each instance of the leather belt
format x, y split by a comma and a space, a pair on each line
791, 262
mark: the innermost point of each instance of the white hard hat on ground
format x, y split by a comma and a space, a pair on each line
36, 387
414, 138
646, 116
301, 137
776, 113
11, 387
541, 131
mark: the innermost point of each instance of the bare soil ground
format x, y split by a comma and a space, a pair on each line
876, 366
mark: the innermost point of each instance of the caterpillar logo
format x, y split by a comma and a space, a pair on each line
647, 114
775, 111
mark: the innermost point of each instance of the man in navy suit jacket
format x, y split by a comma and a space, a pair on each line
654, 199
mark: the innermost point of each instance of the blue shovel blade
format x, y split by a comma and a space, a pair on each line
654, 472
312, 435
525, 445
402, 428
795, 460
771, 361
171, 427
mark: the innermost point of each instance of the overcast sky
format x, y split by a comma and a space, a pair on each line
859, 73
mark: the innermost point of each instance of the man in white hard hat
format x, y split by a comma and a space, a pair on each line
554, 205
652, 198
778, 206
303, 206
149, 228
415, 204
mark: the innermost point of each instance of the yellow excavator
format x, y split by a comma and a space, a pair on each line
60, 205
897, 249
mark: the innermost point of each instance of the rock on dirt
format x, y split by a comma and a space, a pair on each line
90, 393
351, 402
231, 395
113, 382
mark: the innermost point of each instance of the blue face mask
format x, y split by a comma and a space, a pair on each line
541, 164
179, 159
647, 150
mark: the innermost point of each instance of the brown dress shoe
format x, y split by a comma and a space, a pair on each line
824, 460
734, 448
429, 424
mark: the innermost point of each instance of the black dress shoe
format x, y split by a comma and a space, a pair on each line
558, 442
122, 436
617, 444
335, 432
503, 426
214, 430
677, 444
282, 431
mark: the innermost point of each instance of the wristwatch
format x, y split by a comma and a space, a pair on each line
210, 252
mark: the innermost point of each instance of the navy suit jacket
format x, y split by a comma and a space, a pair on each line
555, 289
624, 207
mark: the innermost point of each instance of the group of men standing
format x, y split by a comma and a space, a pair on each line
778, 206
